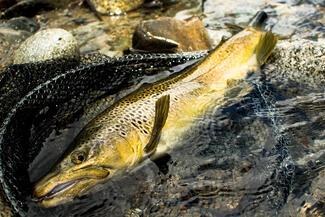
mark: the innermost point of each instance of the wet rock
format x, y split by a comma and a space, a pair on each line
92, 38
6, 3
112, 36
5, 210
318, 187
96, 37
27, 8
12, 33
308, 198
299, 60
171, 35
47, 44
114, 7
299, 19
134, 213
311, 210
218, 36
158, 3
119, 7
9, 39
318, 2
21, 23
234, 11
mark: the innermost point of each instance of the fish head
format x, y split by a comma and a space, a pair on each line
90, 163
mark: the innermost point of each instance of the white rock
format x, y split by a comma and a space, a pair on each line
47, 44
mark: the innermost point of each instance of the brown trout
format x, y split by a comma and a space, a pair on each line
152, 119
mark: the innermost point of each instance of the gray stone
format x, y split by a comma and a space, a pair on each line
318, 187
10, 39
299, 60
21, 23
47, 44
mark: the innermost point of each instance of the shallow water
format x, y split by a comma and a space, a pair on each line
258, 155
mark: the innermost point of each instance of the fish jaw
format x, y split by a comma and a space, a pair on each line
56, 188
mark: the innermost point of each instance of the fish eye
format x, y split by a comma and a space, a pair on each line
78, 157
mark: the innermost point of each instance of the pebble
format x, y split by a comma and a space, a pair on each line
47, 44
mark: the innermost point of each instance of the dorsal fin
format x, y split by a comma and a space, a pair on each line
259, 20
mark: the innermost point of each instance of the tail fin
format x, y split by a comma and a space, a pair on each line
266, 44
259, 20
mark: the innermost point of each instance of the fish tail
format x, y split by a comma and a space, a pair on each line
259, 20
265, 46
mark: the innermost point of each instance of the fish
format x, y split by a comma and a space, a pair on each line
153, 119
70, 85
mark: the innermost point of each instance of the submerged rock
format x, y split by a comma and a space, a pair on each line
21, 23
12, 33
46, 45
318, 187
298, 19
114, 7
5, 210
6, 3
119, 7
172, 35
92, 37
28, 8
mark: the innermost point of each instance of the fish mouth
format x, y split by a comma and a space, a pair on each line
55, 189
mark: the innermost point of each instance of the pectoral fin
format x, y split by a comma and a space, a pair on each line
161, 114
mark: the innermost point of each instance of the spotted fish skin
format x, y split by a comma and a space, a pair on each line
116, 139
